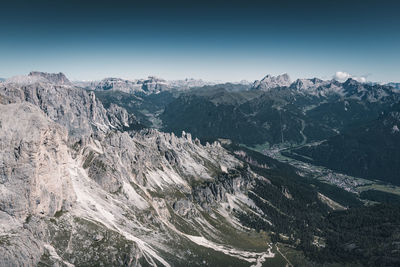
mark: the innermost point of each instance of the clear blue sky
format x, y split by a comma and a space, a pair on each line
212, 40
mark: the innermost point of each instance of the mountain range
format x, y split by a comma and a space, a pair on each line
307, 110
395, 85
270, 112
151, 173
151, 85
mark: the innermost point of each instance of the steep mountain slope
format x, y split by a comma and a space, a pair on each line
146, 108
352, 235
35, 178
369, 151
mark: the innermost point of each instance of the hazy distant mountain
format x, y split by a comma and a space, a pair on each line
395, 85
150, 85
36, 76
193, 83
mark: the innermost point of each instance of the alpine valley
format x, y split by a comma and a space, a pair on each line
151, 172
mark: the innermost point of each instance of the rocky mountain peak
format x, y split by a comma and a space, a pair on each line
57, 78
354, 88
304, 84
269, 82
351, 82
150, 85
116, 84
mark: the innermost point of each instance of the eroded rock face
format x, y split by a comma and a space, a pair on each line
68, 106
269, 82
150, 85
121, 119
34, 163
34, 180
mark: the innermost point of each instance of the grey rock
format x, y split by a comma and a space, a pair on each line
269, 82
79, 186
34, 163
56, 78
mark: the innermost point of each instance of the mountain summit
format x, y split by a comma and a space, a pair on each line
57, 78
269, 82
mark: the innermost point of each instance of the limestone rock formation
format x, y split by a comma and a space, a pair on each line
269, 82
81, 185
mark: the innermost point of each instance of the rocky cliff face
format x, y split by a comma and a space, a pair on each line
34, 150
75, 109
269, 82
79, 187
34, 179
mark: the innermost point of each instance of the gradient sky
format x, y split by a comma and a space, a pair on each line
212, 40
